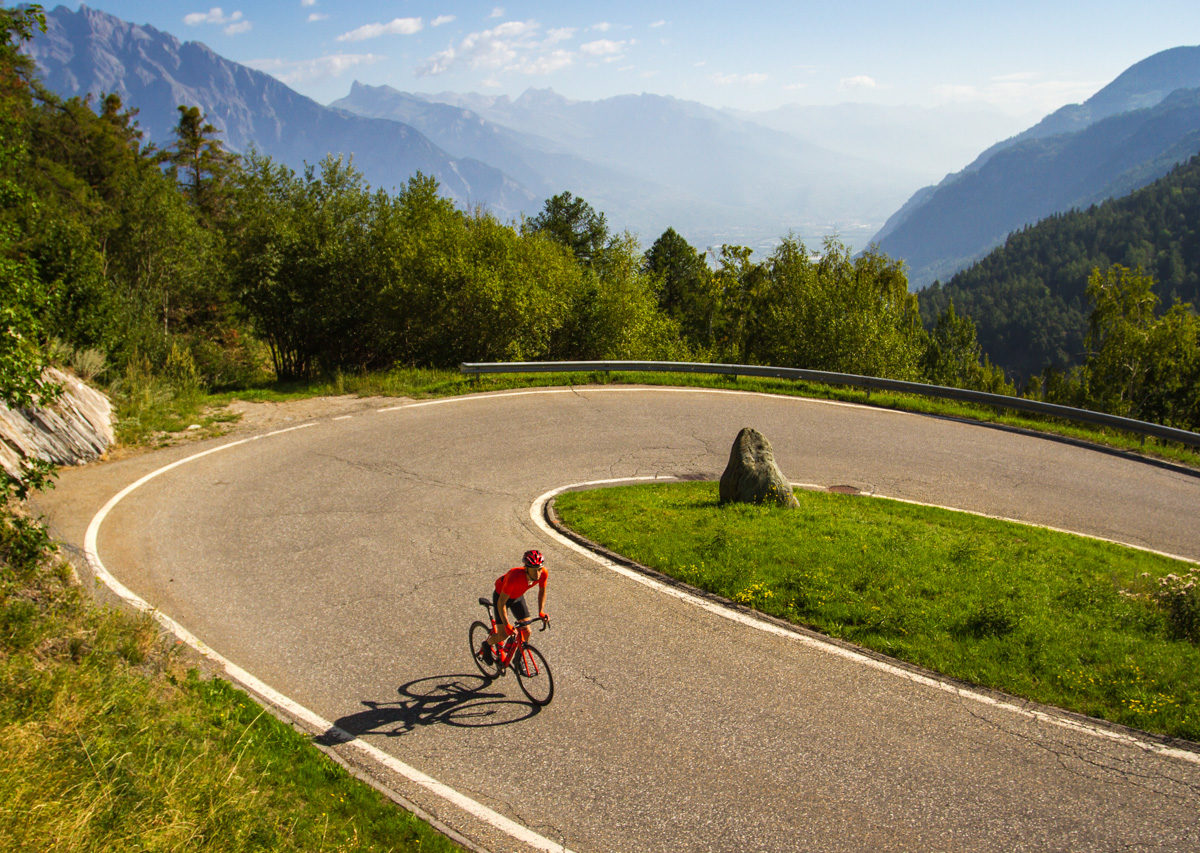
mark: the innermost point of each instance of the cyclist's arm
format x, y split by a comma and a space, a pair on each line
542, 600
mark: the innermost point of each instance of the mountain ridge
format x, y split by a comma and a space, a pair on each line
944, 227
677, 163
92, 52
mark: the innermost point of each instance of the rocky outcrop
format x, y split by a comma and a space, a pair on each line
752, 475
76, 428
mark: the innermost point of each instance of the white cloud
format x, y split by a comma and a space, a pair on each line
321, 68
603, 26
317, 16
861, 81
214, 15
441, 19
656, 24
394, 27
307, 3
497, 12
545, 63
233, 24
753, 79
603, 47
514, 46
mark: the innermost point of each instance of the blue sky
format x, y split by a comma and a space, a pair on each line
1024, 58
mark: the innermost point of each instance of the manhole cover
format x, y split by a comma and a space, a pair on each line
845, 490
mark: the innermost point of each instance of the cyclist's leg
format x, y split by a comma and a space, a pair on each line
498, 634
519, 611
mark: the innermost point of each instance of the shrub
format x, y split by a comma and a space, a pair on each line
1179, 597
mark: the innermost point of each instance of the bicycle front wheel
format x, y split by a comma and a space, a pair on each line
533, 674
478, 636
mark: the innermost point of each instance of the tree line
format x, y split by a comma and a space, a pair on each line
217, 270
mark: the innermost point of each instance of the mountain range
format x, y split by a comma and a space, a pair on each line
649, 162
652, 159
1028, 298
1130, 133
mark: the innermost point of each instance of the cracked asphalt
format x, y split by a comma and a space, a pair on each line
341, 565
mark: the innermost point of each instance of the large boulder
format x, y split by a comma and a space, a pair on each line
752, 475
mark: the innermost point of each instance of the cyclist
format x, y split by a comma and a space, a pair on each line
509, 595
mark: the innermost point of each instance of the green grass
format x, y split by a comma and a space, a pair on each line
110, 743
429, 383
1059, 619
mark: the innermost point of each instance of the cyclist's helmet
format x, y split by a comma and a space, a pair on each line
533, 559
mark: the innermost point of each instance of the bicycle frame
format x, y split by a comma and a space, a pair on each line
514, 644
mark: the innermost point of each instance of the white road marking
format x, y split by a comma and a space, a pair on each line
310, 718
538, 513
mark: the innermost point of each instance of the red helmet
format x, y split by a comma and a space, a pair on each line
533, 559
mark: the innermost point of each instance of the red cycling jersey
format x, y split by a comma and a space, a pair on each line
515, 582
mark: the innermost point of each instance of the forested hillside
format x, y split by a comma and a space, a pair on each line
1029, 300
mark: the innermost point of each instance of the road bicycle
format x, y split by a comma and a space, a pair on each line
533, 672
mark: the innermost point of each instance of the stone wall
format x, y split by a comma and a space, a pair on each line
76, 429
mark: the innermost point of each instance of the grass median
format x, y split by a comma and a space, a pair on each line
1064, 620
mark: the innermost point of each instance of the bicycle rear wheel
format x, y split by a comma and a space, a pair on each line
533, 674
478, 636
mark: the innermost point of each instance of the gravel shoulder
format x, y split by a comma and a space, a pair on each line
258, 416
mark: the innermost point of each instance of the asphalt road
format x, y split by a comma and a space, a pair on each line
341, 564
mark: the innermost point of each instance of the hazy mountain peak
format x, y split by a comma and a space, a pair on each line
1146, 83
541, 99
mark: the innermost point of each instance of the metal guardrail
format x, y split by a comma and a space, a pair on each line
871, 383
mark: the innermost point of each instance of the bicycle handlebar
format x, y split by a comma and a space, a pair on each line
520, 623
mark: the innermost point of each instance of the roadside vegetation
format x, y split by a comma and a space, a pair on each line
111, 741
1085, 625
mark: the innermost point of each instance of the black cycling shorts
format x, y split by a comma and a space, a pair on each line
516, 606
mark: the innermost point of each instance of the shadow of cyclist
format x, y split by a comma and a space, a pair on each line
454, 700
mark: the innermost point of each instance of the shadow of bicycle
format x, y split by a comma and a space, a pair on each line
466, 701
